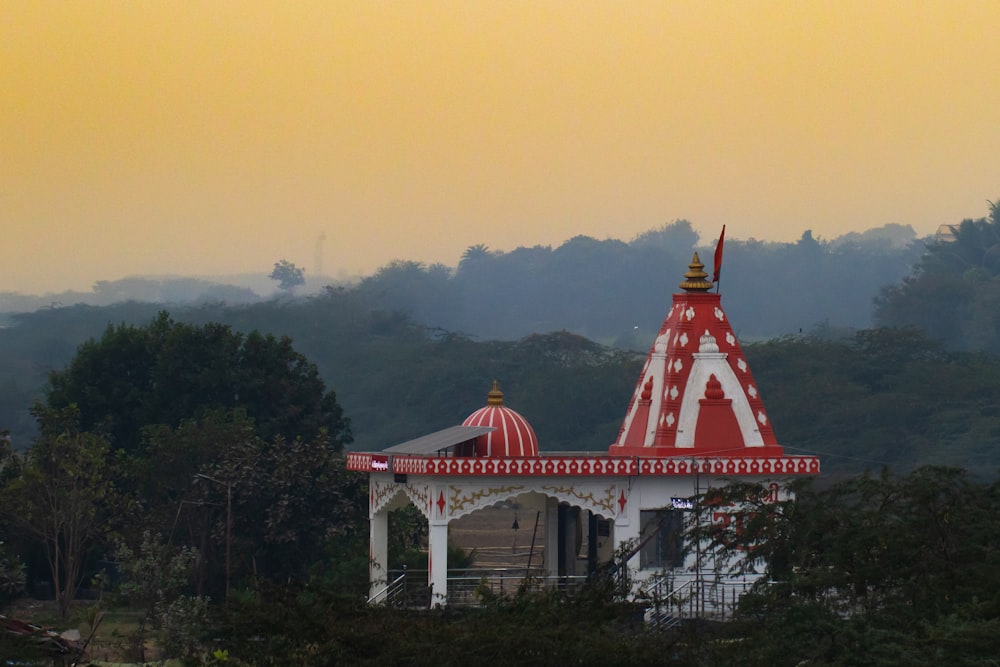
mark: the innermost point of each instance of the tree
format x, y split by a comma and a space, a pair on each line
952, 291
179, 400
273, 490
154, 578
872, 566
253, 508
60, 497
678, 237
288, 275
167, 372
12, 577
426, 292
476, 253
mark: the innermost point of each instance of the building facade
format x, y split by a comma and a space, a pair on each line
695, 421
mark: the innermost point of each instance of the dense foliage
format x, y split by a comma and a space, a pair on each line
881, 397
166, 371
315, 628
954, 291
873, 570
192, 436
60, 496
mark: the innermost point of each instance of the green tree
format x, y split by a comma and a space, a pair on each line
12, 577
179, 401
164, 487
154, 578
952, 291
288, 275
868, 567
60, 497
287, 500
214, 484
165, 372
426, 292
476, 253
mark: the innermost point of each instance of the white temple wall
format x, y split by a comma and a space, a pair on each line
625, 502
658, 493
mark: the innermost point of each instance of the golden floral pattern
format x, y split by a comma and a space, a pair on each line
421, 497
605, 500
475, 499
381, 494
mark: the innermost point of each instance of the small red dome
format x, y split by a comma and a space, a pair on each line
513, 436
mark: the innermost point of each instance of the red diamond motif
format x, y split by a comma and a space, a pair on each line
441, 503
622, 501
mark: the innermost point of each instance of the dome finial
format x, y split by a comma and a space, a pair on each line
495, 397
695, 277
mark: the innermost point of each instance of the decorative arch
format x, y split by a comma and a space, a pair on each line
599, 498
464, 500
388, 496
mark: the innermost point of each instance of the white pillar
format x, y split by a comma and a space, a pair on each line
551, 537
378, 552
437, 561
627, 529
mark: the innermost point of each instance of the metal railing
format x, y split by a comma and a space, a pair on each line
671, 602
470, 586
391, 592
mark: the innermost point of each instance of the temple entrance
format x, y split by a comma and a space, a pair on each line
529, 539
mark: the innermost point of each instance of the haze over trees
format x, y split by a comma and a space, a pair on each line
953, 292
601, 289
616, 292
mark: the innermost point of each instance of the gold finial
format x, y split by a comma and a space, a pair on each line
695, 277
495, 397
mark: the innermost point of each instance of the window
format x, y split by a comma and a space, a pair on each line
663, 538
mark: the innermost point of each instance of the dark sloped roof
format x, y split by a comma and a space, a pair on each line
435, 442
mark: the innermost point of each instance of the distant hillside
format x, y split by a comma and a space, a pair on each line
617, 292
167, 290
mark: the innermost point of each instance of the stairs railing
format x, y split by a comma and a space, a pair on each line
709, 599
392, 592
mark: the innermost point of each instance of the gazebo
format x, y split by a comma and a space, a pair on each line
695, 421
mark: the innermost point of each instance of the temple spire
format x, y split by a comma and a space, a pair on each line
696, 394
495, 397
695, 278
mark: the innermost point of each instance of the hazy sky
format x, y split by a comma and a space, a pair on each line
188, 137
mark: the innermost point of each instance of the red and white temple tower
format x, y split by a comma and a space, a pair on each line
695, 421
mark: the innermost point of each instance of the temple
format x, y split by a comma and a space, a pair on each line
695, 421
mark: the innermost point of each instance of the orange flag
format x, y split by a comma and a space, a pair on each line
718, 256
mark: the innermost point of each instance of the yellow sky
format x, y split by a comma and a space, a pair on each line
154, 137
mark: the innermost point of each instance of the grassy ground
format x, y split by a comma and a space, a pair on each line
109, 642
489, 532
